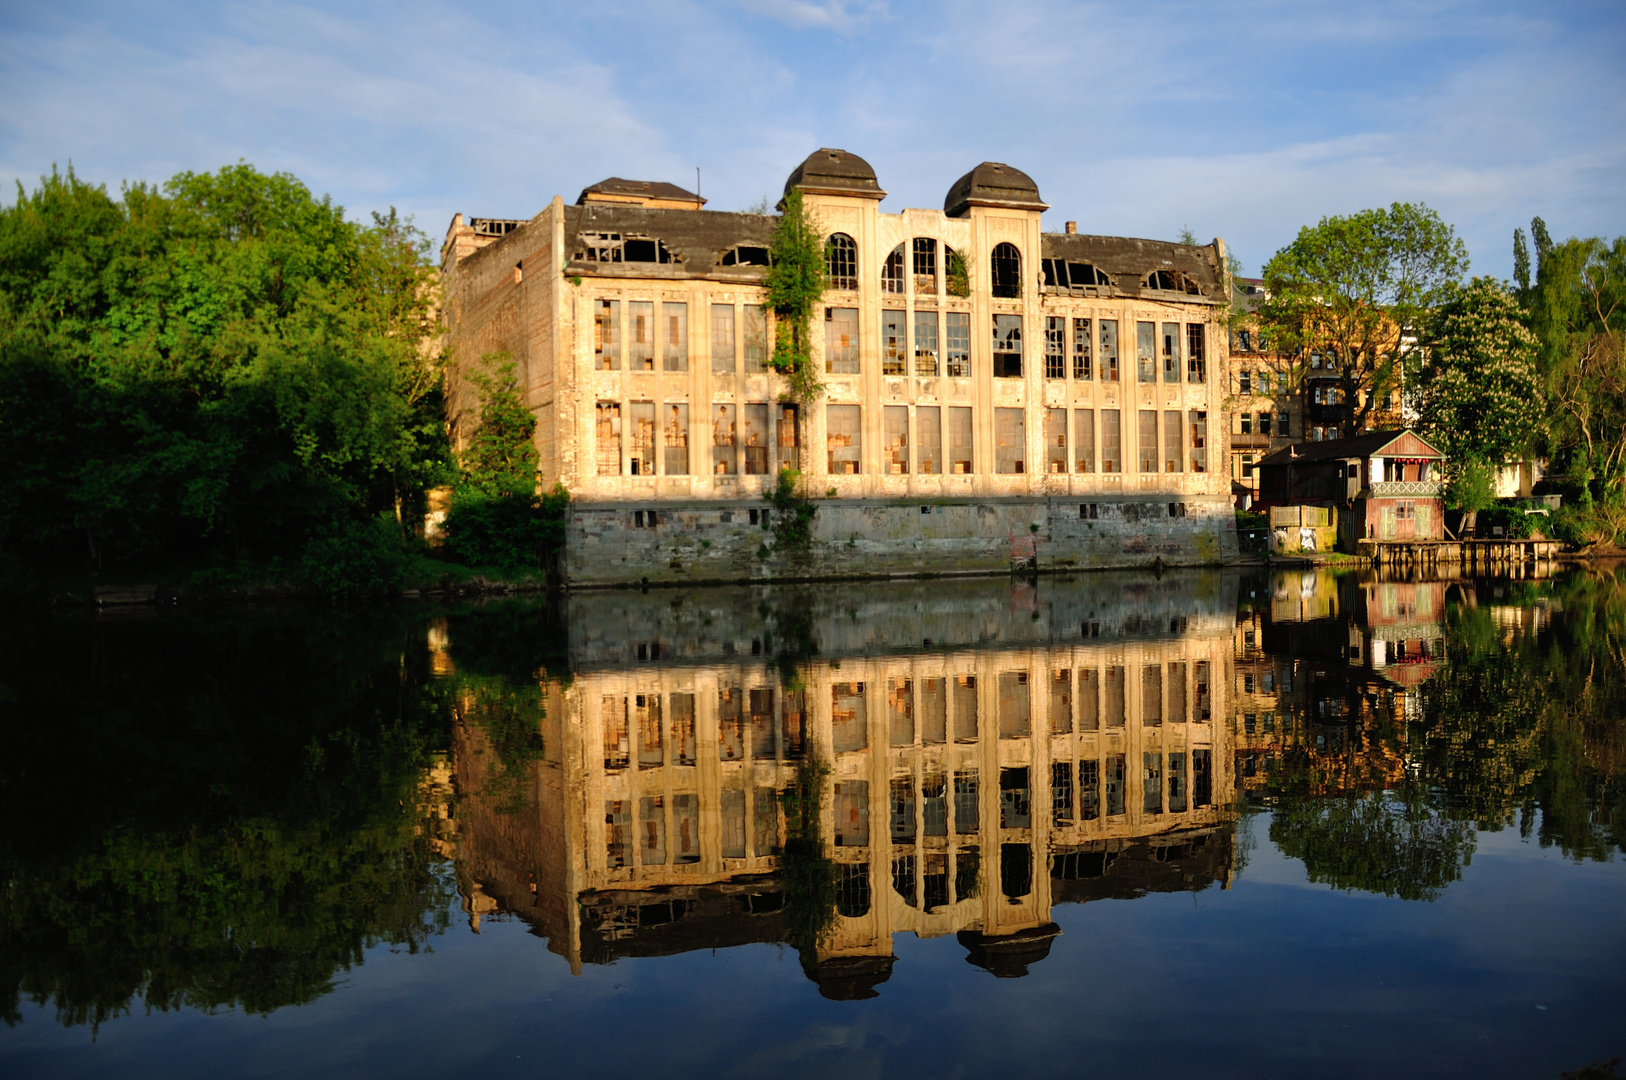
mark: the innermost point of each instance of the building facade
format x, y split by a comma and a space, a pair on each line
990, 391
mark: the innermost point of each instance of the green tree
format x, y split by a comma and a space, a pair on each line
794, 284
1351, 291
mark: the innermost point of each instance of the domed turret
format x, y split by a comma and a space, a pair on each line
993, 184
835, 172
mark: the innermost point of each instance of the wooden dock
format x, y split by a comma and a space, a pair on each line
1509, 558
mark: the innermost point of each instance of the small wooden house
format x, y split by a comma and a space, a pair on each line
1388, 485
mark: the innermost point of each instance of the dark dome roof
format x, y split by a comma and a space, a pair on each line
993, 184
835, 172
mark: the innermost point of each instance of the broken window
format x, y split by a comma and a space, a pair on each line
967, 816
1171, 352
1151, 695
933, 712
1202, 781
1146, 352
646, 719
1014, 707
1061, 701
1177, 692
1089, 699
724, 437
849, 721
852, 890
965, 708
607, 335
613, 719
1055, 440
1116, 774
1006, 271
1109, 350
1010, 441
903, 876
1015, 799
607, 437
1060, 274
894, 344
900, 712
852, 813
1172, 281
1148, 441
1061, 792
1015, 870
746, 255
641, 339
1244, 341
676, 432
902, 824
842, 439
967, 873
925, 265
1173, 451
675, 339
841, 260
1089, 790
934, 887
1199, 439
1114, 684
645, 249
892, 272
957, 343
722, 339
1055, 347
895, 425
1007, 346
755, 338
789, 433
925, 343
1177, 783
754, 436
841, 341
599, 247
652, 830
959, 439
956, 273
617, 833
1152, 783
1084, 440
934, 804
1200, 694
1082, 366
1112, 457
642, 461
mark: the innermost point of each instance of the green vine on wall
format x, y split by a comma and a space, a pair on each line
794, 285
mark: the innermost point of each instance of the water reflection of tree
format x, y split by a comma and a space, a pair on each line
807, 874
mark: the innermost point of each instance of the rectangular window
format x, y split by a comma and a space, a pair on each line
1177, 692
1055, 440
849, 718
1262, 380
1112, 456
642, 418
652, 830
1148, 441
1113, 685
1173, 451
925, 342
1177, 783
1061, 792
965, 708
617, 832
1146, 352
852, 814
895, 422
641, 335
607, 336
607, 438
1116, 767
1010, 441
1089, 699
959, 440
894, 345
1081, 350
1084, 440
724, 440
957, 343
1245, 420
675, 337
1244, 382
1196, 367
675, 429
933, 713
1007, 346
613, 720
754, 436
929, 439
841, 340
1282, 426
722, 339
733, 823
966, 802
900, 712
1200, 695
1109, 350
1151, 695
1264, 423
685, 829
789, 432
682, 712
755, 338
1202, 778
1055, 348
842, 439
1061, 702
1014, 707
1170, 347
1089, 790
924, 250
1152, 784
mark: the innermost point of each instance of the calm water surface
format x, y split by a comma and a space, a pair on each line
1197, 824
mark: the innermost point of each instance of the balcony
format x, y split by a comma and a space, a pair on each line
1404, 489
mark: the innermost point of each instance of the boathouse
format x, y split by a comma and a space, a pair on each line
1387, 485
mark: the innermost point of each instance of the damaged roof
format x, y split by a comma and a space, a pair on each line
993, 184
835, 172
642, 189
1366, 444
697, 238
1128, 260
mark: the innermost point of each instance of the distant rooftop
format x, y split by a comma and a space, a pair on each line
654, 193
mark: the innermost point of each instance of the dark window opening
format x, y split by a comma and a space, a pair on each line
892, 272
1055, 348
1007, 346
841, 261
1172, 281
1006, 266
1015, 870
745, 255
645, 250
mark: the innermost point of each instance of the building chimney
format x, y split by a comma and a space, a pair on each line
1072, 228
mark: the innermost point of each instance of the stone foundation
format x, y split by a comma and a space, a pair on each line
623, 543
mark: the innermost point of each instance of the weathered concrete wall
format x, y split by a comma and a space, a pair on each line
607, 545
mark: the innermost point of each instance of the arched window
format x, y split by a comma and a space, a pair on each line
956, 275
892, 272
841, 260
1007, 271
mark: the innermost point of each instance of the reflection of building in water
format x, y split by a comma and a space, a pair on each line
968, 790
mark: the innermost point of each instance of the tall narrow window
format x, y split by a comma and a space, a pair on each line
1084, 440
1007, 346
892, 272
1173, 451
957, 333
841, 340
789, 434
642, 419
933, 713
1151, 695
842, 439
929, 439
1199, 439
1112, 453
1177, 783
1196, 368
724, 439
894, 345
607, 336
755, 338
1055, 348
1015, 705
675, 429
1169, 349
849, 717
1061, 792
1089, 699
1010, 441
652, 830
1109, 350
841, 259
675, 336
1089, 790
1201, 699
925, 260
641, 335
959, 440
607, 438
1114, 785
1006, 267
1061, 701
1148, 441
1055, 440
1152, 784
967, 802
1202, 778
895, 421
613, 720
925, 343
722, 339
1146, 352
965, 708
1082, 366
755, 437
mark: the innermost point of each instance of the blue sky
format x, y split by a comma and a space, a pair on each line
1245, 119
